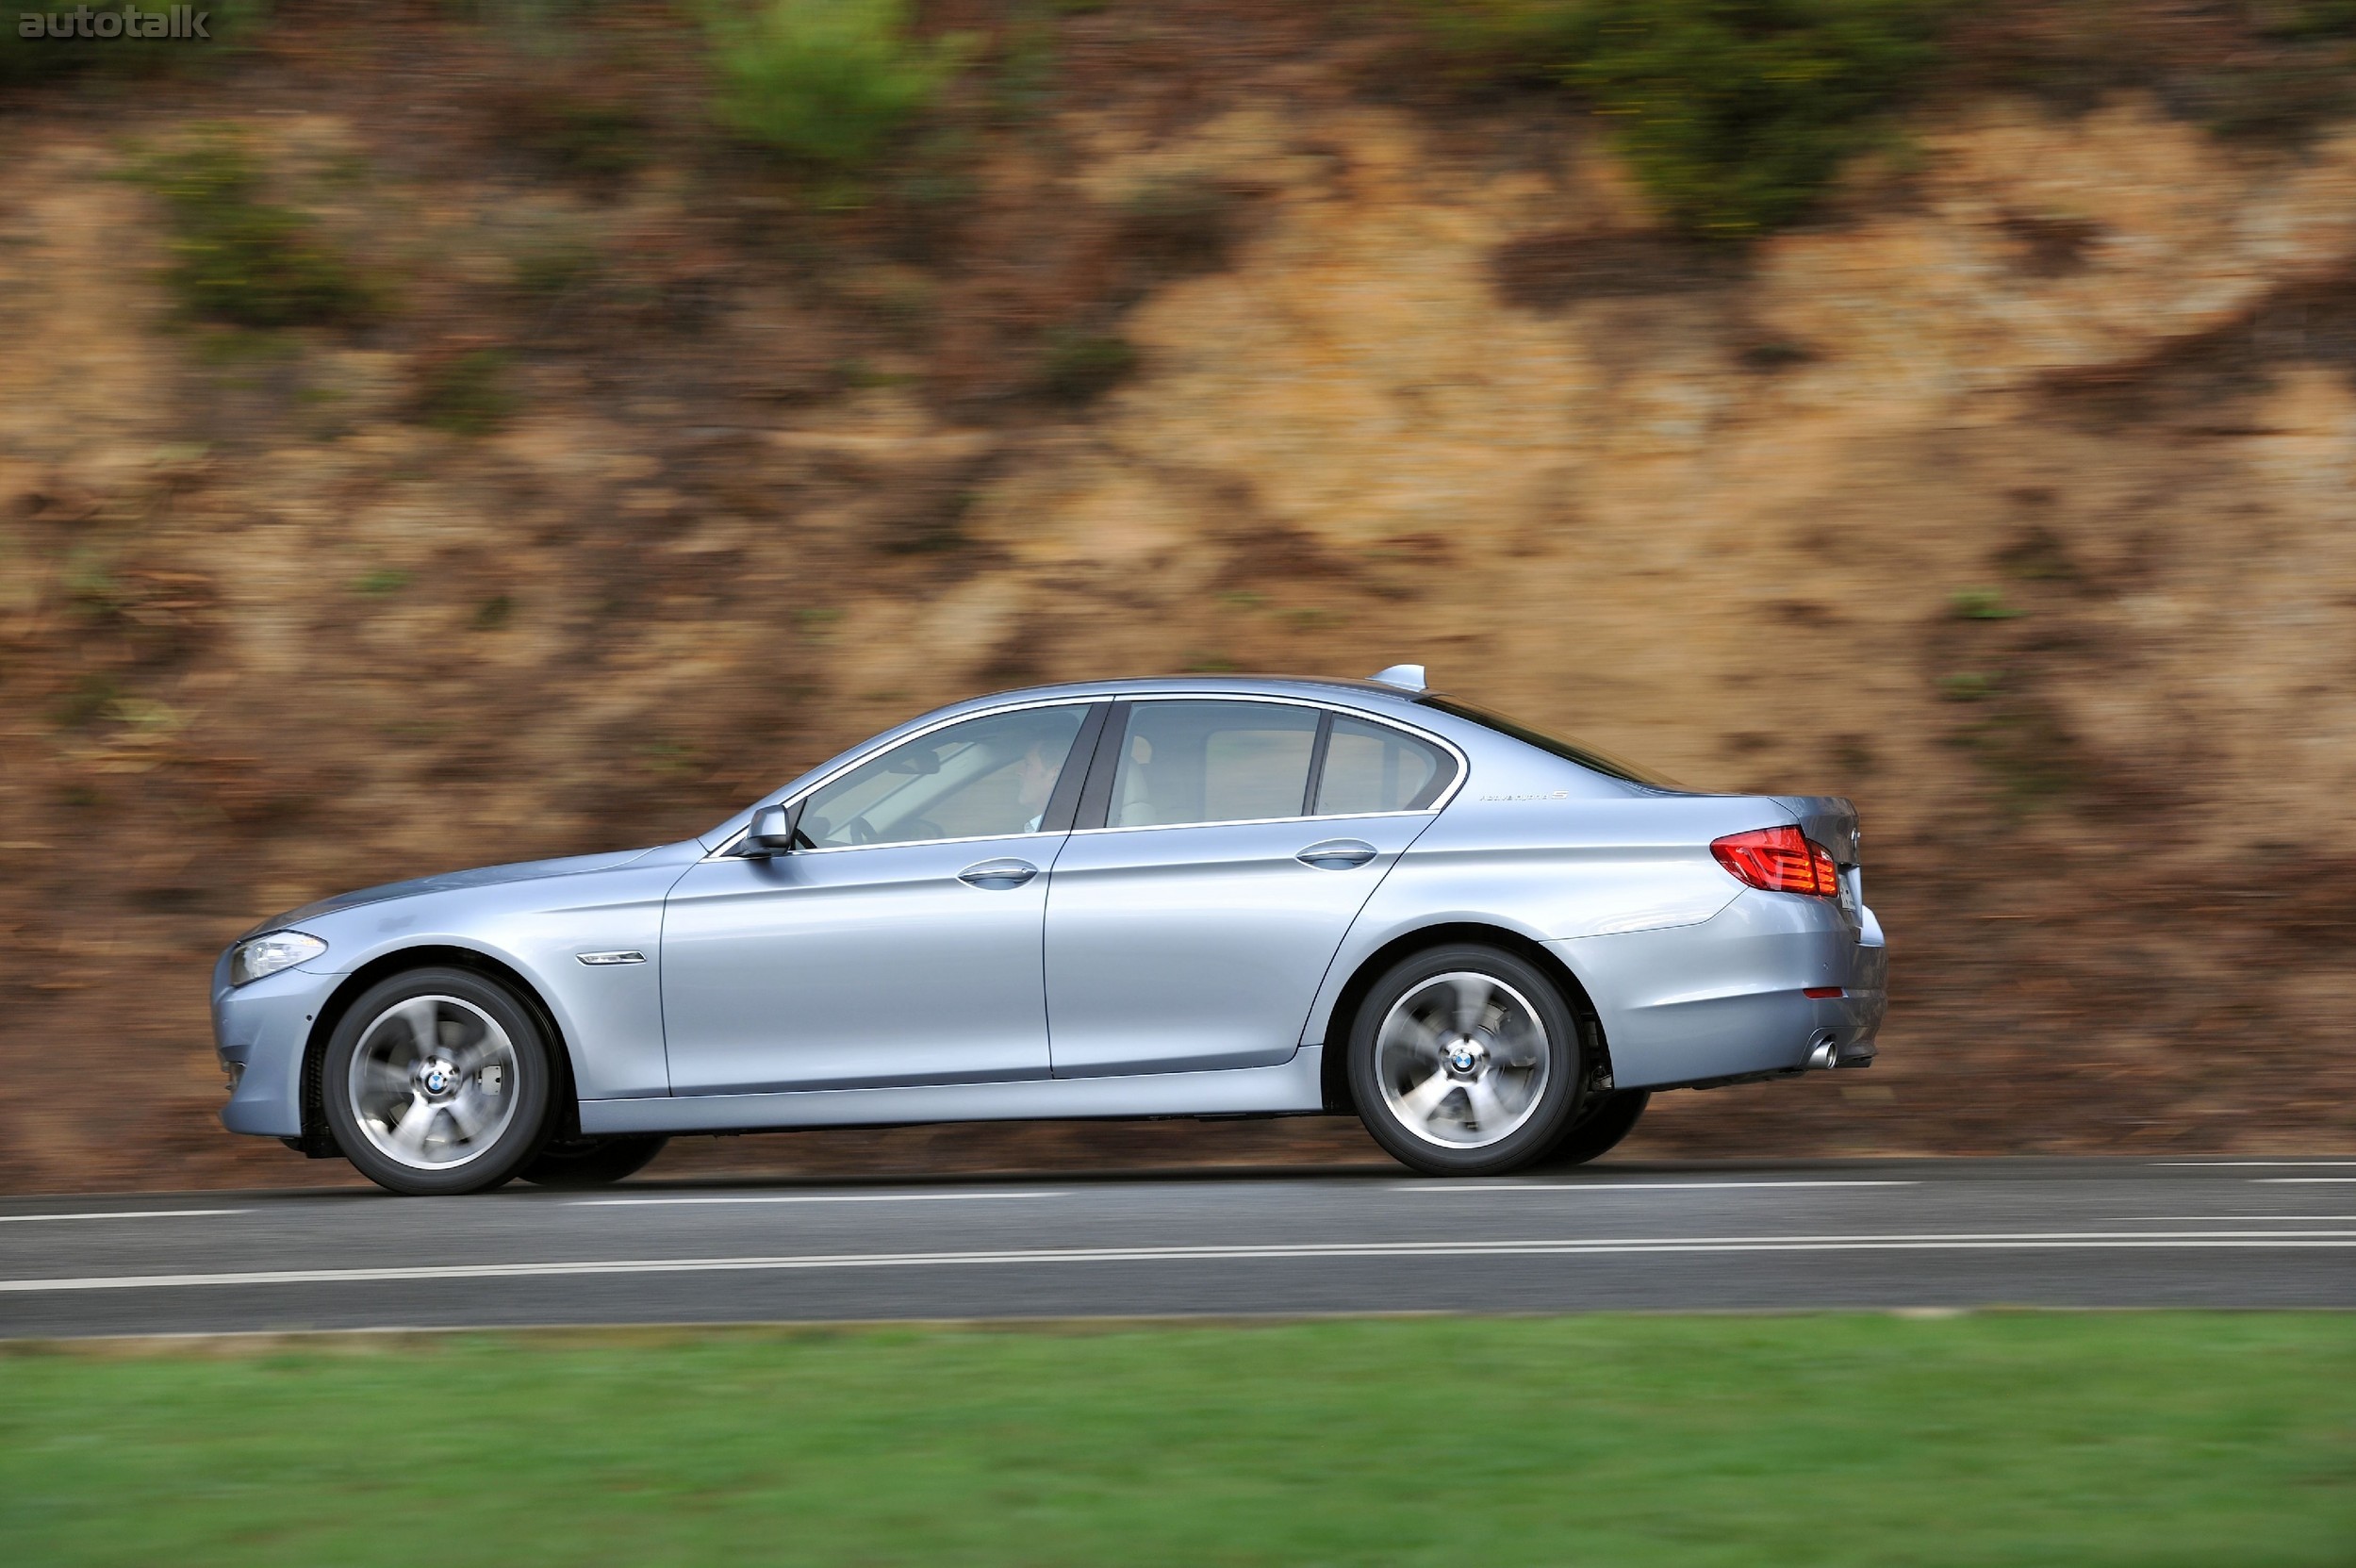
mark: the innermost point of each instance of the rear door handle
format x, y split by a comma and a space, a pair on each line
1000, 874
1337, 854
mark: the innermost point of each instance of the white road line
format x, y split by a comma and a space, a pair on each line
1618, 1186
119, 1213
2302, 1181
2223, 1219
804, 1198
2087, 1240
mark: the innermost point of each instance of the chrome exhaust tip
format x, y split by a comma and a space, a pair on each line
1825, 1054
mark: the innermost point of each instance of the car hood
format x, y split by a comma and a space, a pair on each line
484, 876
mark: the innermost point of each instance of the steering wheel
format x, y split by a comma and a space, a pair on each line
861, 831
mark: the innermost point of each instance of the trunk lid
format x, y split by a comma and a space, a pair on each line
1829, 819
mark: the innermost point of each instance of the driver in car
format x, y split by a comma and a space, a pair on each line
1034, 778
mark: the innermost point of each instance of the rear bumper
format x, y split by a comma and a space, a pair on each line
1866, 995
1727, 998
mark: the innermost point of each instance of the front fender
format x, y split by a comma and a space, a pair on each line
610, 1016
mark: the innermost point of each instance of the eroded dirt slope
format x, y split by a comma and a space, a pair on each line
2014, 502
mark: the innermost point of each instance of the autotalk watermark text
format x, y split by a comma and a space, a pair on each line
130, 22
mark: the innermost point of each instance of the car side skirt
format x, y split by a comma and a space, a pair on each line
1289, 1088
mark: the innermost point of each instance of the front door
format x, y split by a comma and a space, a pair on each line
899, 943
1239, 841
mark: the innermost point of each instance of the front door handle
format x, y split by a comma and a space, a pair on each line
1337, 854
998, 874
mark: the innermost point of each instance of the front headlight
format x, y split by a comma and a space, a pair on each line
270, 953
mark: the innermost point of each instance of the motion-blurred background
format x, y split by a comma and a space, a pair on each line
434, 434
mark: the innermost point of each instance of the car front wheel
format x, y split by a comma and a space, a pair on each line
438, 1080
1465, 1061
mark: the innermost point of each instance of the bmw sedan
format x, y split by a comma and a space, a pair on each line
1163, 898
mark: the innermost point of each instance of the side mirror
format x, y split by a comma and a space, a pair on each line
772, 832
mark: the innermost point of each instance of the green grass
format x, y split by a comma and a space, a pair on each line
2152, 1440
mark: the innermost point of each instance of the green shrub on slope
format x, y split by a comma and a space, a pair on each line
1735, 114
826, 82
239, 258
230, 25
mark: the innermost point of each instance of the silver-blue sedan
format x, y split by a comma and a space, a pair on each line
1165, 898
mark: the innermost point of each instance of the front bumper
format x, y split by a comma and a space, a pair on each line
259, 1032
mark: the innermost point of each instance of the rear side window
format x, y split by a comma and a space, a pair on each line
1570, 750
1371, 767
1211, 762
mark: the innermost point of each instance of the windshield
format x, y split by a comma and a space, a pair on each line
1570, 750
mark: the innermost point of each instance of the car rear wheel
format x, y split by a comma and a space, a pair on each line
590, 1162
1465, 1061
1597, 1130
438, 1080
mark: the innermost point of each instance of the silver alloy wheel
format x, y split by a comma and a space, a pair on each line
433, 1082
1462, 1060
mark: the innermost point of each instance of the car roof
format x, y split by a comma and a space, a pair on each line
1323, 687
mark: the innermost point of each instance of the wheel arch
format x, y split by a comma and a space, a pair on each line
316, 1138
1334, 1069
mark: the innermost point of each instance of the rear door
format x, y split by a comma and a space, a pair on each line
1223, 848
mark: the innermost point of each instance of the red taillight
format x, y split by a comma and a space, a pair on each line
1779, 860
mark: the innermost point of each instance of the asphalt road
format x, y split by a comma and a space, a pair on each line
1874, 1235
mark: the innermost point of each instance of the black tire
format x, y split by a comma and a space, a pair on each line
1551, 1105
591, 1161
528, 1075
1601, 1122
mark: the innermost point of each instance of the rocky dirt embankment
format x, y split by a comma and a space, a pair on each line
2013, 501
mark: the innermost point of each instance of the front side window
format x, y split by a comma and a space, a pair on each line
1372, 767
985, 778
1211, 762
